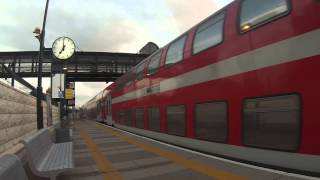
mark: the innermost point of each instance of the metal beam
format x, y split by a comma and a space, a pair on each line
18, 78
97, 64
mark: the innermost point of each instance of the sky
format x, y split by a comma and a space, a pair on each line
99, 25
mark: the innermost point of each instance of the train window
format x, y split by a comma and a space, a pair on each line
121, 117
211, 121
139, 71
129, 117
154, 63
140, 118
272, 122
176, 120
209, 33
175, 51
154, 119
128, 79
256, 12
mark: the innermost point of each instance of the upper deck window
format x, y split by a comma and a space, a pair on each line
256, 12
122, 82
154, 63
139, 71
209, 33
175, 52
128, 79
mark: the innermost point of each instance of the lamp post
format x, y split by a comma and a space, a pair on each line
39, 88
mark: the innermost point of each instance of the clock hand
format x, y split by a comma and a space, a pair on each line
63, 46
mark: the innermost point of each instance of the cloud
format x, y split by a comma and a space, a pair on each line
18, 20
93, 85
98, 25
188, 13
112, 34
87, 90
117, 35
93, 27
119, 26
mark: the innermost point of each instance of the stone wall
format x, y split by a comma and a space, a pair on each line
18, 117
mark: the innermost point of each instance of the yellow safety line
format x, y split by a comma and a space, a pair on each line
103, 164
191, 164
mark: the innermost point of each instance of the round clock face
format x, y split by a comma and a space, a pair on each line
63, 48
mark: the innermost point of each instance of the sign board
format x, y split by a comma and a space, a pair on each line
69, 93
57, 85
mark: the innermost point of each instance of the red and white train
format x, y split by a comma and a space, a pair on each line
243, 84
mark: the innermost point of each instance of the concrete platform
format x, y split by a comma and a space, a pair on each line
102, 152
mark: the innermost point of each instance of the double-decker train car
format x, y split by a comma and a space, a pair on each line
95, 107
242, 84
99, 107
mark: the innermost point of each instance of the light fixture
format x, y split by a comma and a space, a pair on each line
246, 27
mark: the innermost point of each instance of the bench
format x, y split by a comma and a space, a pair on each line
45, 158
11, 168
